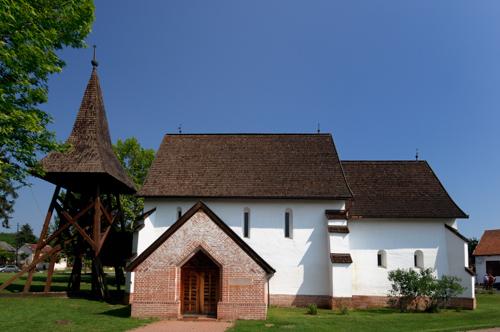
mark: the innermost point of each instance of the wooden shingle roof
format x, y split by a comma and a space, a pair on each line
489, 245
90, 158
398, 189
247, 166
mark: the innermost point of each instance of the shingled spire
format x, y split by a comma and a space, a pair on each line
90, 159
89, 169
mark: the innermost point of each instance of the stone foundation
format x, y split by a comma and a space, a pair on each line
463, 302
355, 302
284, 300
156, 309
233, 311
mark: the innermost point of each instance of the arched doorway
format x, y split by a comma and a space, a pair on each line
200, 285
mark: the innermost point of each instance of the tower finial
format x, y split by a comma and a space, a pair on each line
94, 61
416, 155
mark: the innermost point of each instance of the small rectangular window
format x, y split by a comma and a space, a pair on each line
179, 213
379, 259
246, 224
287, 224
415, 260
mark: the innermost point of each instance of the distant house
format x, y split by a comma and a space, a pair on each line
4, 246
487, 254
27, 251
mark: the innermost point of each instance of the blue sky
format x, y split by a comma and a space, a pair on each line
385, 77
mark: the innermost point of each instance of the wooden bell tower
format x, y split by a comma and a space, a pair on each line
89, 180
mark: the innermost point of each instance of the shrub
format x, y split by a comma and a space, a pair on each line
421, 291
343, 309
444, 289
312, 309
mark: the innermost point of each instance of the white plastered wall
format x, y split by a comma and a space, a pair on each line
458, 259
340, 274
302, 262
400, 239
481, 266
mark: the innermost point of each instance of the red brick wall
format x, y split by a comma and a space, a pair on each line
157, 279
283, 300
356, 301
462, 302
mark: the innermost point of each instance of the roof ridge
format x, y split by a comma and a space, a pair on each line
97, 87
248, 134
342, 168
381, 161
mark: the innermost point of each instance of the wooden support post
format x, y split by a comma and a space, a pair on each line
41, 241
99, 285
52, 264
119, 277
97, 221
76, 273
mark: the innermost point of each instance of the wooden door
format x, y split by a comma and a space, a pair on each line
190, 285
200, 291
210, 296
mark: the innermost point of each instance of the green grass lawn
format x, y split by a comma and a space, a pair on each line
59, 282
76, 314
486, 315
63, 314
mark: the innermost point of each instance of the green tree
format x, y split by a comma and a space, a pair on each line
472, 244
31, 33
136, 160
6, 256
25, 235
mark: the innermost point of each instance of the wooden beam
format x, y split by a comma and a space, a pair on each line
62, 228
29, 267
52, 264
97, 222
78, 227
103, 238
107, 215
43, 234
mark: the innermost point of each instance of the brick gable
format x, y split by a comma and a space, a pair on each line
157, 286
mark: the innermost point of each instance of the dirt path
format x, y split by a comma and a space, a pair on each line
184, 326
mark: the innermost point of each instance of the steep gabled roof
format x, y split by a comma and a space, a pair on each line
200, 206
90, 158
489, 244
398, 189
7, 247
247, 166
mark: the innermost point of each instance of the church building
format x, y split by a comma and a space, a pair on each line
238, 222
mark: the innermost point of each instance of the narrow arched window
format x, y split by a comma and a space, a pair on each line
418, 259
382, 258
288, 224
179, 212
246, 222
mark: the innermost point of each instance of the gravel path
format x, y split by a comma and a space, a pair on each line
185, 326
